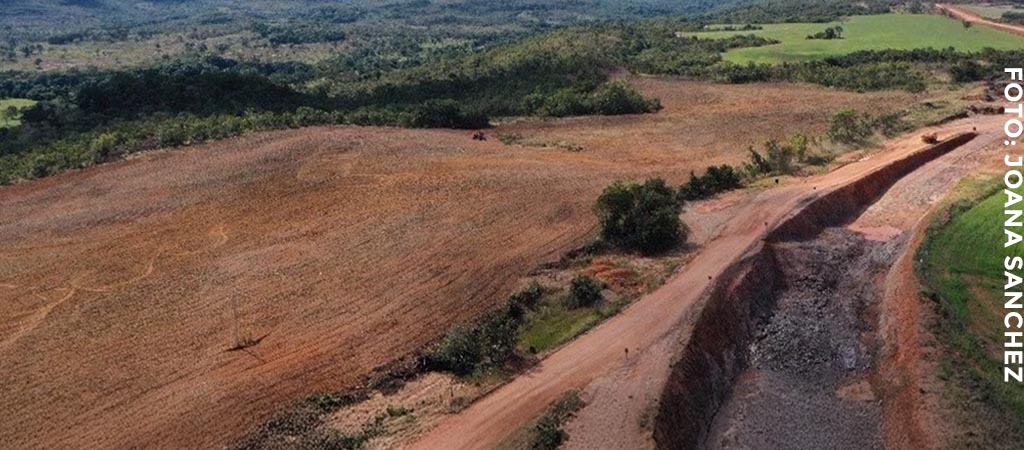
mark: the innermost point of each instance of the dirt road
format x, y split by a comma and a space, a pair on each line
964, 14
648, 328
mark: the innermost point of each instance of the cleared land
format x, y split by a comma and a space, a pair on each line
19, 103
123, 286
886, 31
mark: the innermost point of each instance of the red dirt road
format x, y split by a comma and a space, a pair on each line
648, 326
964, 14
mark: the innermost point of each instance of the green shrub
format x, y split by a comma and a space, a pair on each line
491, 342
800, 144
398, 411
620, 98
835, 32
758, 164
889, 124
849, 127
524, 300
548, 434
459, 352
715, 180
781, 157
584, 291
613, 99
445, 113
326, 401
497, 337
643, 217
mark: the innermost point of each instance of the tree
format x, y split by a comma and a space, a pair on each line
849, 127
584, 291
459, 351
8, 114
642, 217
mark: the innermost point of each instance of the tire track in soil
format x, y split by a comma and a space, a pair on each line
36, 319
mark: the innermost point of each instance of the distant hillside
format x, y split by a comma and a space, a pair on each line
36, 17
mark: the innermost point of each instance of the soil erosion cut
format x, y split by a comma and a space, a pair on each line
782, 348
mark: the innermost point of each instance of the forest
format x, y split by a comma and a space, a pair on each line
89, 115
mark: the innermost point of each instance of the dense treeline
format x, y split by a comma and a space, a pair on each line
557, 74
452, 82
874, 70
299, 33
1014, 17
798, 11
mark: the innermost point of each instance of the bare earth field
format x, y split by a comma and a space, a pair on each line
122, 287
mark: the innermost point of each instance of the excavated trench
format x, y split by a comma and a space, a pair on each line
784, 344
806, 385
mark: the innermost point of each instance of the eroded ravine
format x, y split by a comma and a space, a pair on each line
807, 386
808, 368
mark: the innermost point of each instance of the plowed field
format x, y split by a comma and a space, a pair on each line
123, 287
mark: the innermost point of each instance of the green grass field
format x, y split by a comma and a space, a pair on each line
555, 325
20, 103
887, 31
962, 263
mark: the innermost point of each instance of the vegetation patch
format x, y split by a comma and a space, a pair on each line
874, 32
520, 140
11, 110
963, 279
641, 217
548, 433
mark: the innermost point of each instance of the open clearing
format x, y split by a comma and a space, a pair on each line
19, 103
877, 32
123, 286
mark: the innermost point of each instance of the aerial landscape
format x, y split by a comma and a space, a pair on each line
527, 224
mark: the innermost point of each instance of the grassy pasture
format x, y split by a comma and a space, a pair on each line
962, 265
886, 31
20, 103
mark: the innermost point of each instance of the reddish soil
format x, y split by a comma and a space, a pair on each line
122, 287
625, 386
814, 376
964, 14
915, 414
